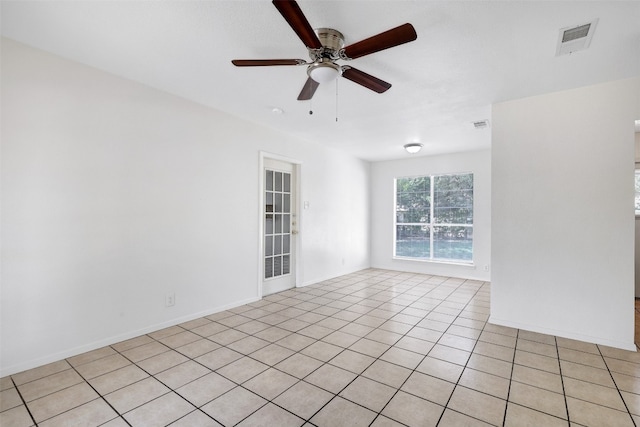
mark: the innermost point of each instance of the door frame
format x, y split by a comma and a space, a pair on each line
297, 259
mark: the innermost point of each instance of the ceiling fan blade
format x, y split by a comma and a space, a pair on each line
390, 38
292, 13
364, 79
266, 62
308, 90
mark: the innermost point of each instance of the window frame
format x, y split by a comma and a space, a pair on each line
432, 224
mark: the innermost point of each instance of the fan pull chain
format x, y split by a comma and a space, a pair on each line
336, 100
310, 104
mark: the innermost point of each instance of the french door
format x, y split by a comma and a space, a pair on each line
279, 226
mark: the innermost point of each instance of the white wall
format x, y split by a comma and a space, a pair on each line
562, 217
382, 215
114, 194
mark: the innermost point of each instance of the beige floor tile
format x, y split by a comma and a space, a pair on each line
537, 361
537, 337
132, 343
134, 395
293, 325
490, 365
270, 383
117, 379
242, 369
9, 399
272, 415
162, 362
272, 354
497, 338
218, 358
330, 378
40, 372
332, 323
416, 345
196, 419
94, 413
368, 393
205, 389
484, 382
197, 348
450, 354
369, 347
428, 388
578, 345
590, 414
352, 361
456, 419
209, 329
299, 365
576, 356
519, 416
465, 332
539, 399
382, 421
145, 351
180, 339
322, 350
315, 331
586, 373
252, 327
537, 378
594, 393
50, 384
182, 374
6, 383
16, 417
340, 339
633, 402
402, 357
440, 369
425, 334
195, 323
166, 332
458, 342
616, 353
61, 401
412, 410
626, 382
90, 356
537, 348
227, 337
357, 329
295, 342
248, 345
623, 367
478, 405
303, 399
342, 413
159, 412
387, 373
233, 406
493, 350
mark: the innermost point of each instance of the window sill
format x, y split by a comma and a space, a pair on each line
469, 264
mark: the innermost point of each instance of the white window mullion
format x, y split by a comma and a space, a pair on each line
431, 219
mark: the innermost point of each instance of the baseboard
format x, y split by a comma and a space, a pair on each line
30, 364
565, 334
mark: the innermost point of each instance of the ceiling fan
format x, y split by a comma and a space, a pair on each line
326, 46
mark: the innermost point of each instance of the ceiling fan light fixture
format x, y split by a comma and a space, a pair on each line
324, 72
413, 147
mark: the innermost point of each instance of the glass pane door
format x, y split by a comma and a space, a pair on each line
277, 224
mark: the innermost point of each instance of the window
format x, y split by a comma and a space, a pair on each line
434, 218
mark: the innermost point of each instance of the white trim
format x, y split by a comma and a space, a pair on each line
564, 334
10, 370
298, 241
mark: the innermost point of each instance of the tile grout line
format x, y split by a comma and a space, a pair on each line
616, 384
24, 402
513, 364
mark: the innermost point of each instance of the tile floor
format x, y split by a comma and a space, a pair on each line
373, 348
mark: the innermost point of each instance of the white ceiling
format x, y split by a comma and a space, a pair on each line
468, 55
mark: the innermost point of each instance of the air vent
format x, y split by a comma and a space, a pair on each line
575, 38
482, 124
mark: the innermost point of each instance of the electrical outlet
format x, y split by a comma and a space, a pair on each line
486, 268
170, 300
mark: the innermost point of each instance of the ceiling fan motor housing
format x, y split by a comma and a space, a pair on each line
332, 41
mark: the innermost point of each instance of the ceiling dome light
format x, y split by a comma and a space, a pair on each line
324, 72
413, 148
